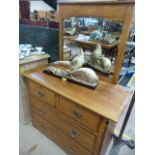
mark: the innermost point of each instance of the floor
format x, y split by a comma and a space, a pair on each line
33, 142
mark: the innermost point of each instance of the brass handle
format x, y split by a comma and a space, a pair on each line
43, 127
42, 112
76, 114
41, 94
71, 151
74, 134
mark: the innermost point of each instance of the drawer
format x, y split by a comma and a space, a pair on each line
69, 146
42, 93
71, 130
41, 108
79, 114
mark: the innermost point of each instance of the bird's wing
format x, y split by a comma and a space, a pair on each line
74, 61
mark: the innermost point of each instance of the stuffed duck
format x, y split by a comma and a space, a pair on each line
78, 61
85, 75
96, 54
105, 63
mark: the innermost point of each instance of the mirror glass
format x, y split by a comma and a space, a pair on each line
98, 38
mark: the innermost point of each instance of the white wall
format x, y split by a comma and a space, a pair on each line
39, 5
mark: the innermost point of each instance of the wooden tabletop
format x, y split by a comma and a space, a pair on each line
95, 1
106, 100
116, 34
90, 43
85, 32
33, 58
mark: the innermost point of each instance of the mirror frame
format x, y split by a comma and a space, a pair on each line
119, 11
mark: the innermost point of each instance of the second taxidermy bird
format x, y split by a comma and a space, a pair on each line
78, 61
97, 52
105, 63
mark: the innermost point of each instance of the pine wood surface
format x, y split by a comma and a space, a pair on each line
33, 58
91, 43
107, 99
95, 1
42, 93
71, 109
73, 131
49, 120
70, 147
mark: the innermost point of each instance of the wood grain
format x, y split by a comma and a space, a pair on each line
113, 12
122, 46
95, 1
42, 93
49, 113
33, 58
71, 109
107, 99
92, 43
101, 135
25, 65
58, 137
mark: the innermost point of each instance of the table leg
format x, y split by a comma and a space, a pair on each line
118, 141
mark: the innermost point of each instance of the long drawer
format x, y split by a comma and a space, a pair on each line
71, 130
42, 93
79, 114
58, 137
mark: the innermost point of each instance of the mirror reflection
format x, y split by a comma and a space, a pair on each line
95, 38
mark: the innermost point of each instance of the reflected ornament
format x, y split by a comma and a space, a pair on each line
96, 35
109, 38
71, 32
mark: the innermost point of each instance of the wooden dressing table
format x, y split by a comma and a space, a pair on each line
78, 119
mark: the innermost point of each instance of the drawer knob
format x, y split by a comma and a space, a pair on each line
71, 151
74, 134
43, 127
76, 114
42, 112
41, 94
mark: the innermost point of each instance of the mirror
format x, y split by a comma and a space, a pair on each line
99, 39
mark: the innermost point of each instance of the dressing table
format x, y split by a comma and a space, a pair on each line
78, 119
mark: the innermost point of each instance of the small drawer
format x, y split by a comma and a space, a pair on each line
79, 114
69, 146
42, 93
80, 135
72, 131
42, 108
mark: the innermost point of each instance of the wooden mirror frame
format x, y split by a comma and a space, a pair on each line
116, 10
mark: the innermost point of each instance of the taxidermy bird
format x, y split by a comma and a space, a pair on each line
85, 75
78, 61
96, 35
71, 32
96, 53
109, 38
105, 63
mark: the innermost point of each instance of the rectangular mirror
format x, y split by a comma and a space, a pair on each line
104, 25
99, 39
